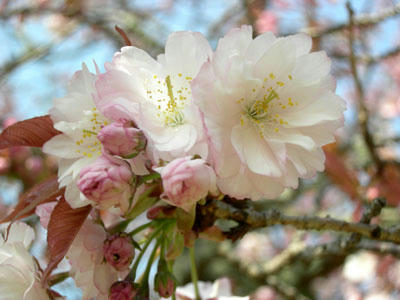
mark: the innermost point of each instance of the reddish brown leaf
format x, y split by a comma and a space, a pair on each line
64, 225
340, 174
386, 185
32, 132
44, 192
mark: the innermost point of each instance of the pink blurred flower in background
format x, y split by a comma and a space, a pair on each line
267, 21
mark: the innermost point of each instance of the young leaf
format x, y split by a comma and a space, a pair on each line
64, 225
32, 132
44, 192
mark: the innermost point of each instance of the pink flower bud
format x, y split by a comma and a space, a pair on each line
186, 181
122, 290
119, 251
108, 182
164, 282
167, 288
119, 138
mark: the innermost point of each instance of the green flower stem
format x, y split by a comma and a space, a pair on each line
169, 265
145, 276
140, 228
193, 270
132, 273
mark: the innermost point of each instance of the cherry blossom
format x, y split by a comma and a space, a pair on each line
156, 95
18, 271
77, 117
268, 106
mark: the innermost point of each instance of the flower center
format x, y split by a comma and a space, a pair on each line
170, 97
90, 127
264, 107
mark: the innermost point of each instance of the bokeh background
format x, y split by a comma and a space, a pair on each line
43, 42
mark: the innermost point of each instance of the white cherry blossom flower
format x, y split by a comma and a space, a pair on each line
88, 269
19, 279
77, 117
268, 106
156, 95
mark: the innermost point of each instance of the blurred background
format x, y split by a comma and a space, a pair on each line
43, 42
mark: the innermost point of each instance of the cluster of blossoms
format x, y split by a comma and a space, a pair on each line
244, 121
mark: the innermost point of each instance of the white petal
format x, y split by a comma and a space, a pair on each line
74, 196
236, 41
310, 68
271, 61
62, 146
259, 45
185, 52
301, 42
328, 107
291, 136
132, 59
255, 151
306, 162
20, 232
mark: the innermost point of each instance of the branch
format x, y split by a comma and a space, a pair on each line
363, 117
250, 219
30, 54
362, 20
288, 291
368, 59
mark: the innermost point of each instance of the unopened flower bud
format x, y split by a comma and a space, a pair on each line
108, 182
122, 290
164, 281
119, 251
186, 181
119, 138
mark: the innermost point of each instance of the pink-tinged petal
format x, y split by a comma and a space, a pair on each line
118, 94
44, 211
104, 278
94, 238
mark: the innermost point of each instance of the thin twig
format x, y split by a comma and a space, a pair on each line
361, 21
363, 117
